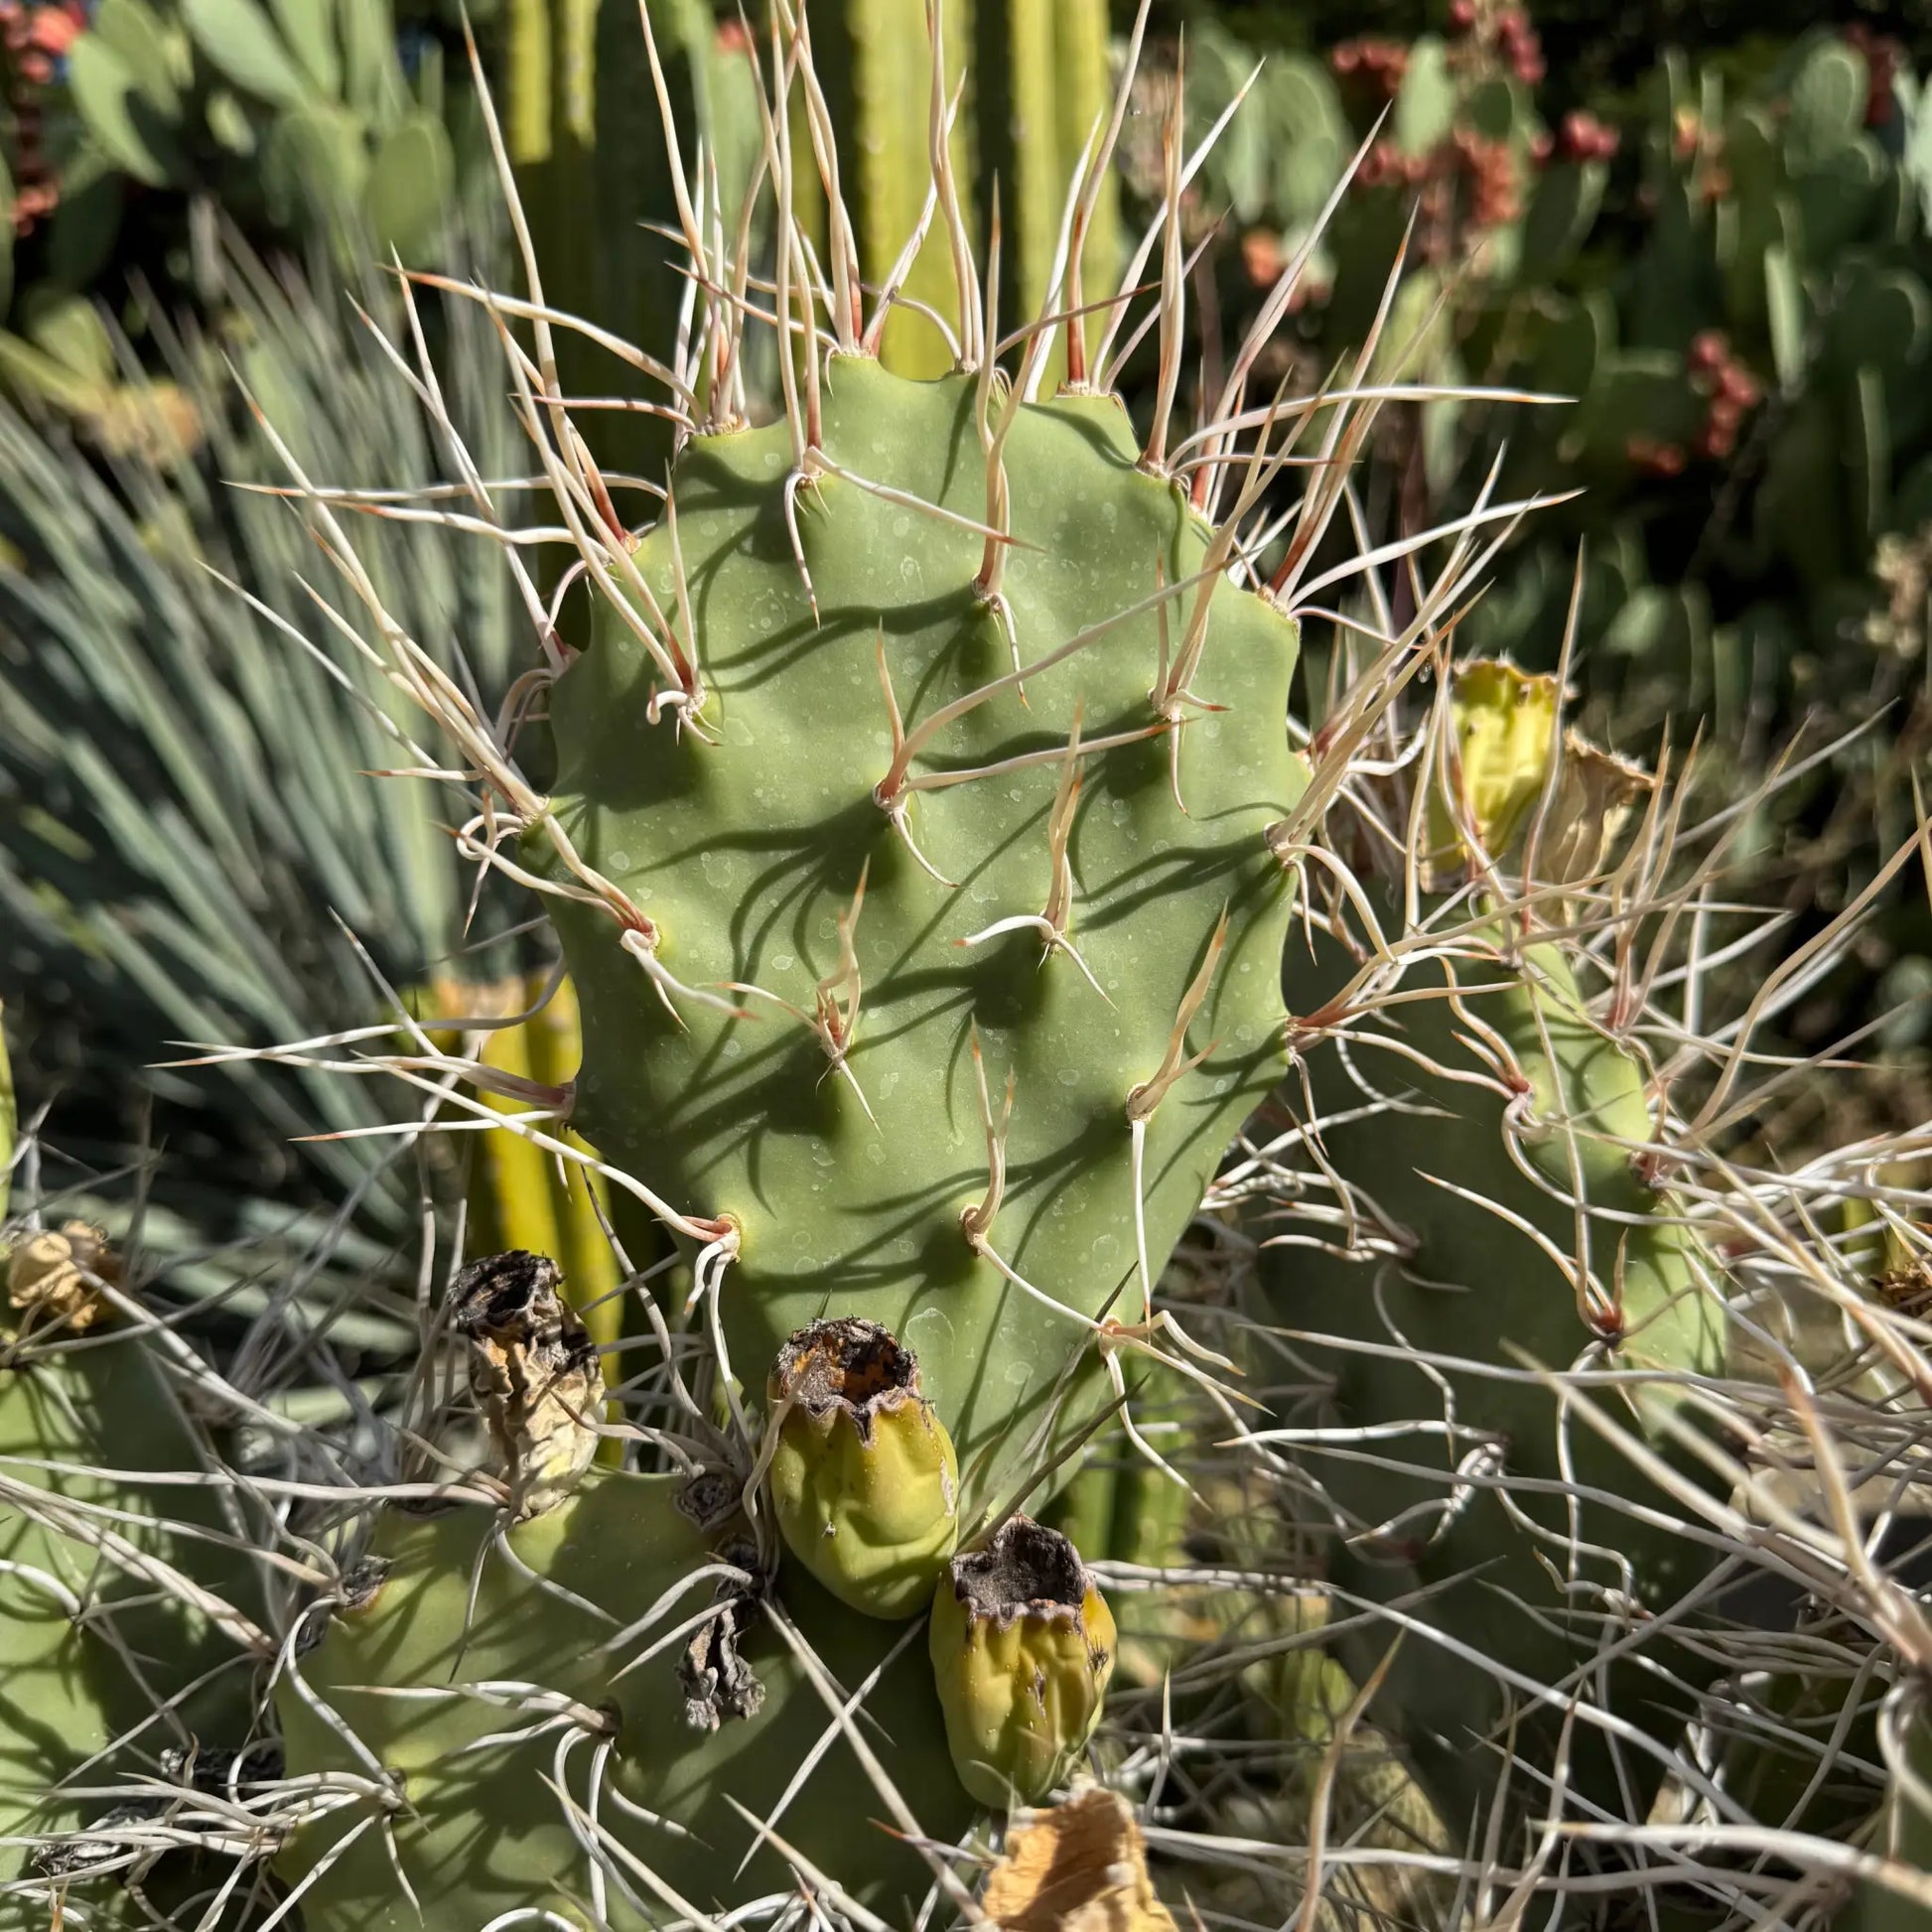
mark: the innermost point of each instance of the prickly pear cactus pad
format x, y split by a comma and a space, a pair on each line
918, 850
800, 857
1491, 1207
471, 1697
128, 1636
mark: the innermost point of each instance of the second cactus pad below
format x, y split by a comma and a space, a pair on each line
124, 1621
1490, 1149
749, 855
454, 1647
1460, 1528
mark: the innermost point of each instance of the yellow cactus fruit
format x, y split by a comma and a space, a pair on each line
864, 1483
1505, 723
1023, 1646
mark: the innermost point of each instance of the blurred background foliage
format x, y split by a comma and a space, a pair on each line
1723, 255
1710, 224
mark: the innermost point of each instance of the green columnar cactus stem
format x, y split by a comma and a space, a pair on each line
1082, 83
1023, 1647
1040, 82
891, 79
474, 1829
862, 1478
1507, 1221
581, 132
1043, 83
115, 1649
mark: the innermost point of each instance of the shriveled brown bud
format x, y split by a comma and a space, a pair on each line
534, 1372
54, 1279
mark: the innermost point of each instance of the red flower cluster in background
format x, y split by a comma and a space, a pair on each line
1586, 138
37, 37
1490, 173
1382, 62
1733, 390
1485, 169
35, 41
1655, 459
1506, 31
1470, 183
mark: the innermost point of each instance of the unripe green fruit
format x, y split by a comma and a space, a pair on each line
863, 1481
1023, 1647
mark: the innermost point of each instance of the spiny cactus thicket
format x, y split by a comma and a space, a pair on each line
1551, 1203
927, 834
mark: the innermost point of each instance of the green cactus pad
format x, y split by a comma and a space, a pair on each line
90, 1700
482, 1836
747, 853
1903, 1835
1471, 1287
1492, 1147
